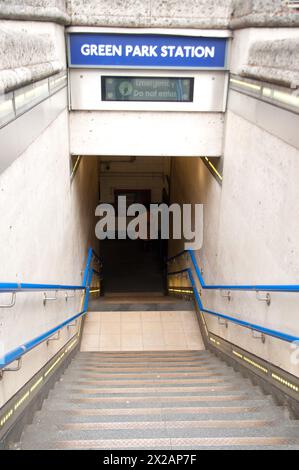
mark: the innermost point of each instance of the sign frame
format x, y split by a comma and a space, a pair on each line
126, 77
153, 35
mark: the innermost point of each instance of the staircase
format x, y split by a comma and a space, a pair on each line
157, 400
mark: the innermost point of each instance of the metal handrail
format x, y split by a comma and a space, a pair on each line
245, 287
252, 326
5, 287
16, 353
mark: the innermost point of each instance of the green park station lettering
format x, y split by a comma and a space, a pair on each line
129, 50
146, 51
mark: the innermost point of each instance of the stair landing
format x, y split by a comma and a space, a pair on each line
141, 330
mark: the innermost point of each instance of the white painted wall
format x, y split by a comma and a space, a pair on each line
47, 224
209, 90
251, 232
141, 173
148, 133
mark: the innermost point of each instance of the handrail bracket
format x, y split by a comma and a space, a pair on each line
46, 299
223, 322
227, 295
12, 369
12, 302
71, 324
68, 296
256, 335
54, 338
266, 298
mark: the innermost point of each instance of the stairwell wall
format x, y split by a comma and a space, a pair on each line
47, 220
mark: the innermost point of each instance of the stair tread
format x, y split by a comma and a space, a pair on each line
174, 413
157, 400
169, 443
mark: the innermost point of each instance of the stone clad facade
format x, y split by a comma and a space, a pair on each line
30, 40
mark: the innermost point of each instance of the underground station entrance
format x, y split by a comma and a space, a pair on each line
158, 341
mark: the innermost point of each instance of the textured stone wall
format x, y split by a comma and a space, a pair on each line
274, 61
248, 13
151, 13
29, 52
46, 227
154, 13
43, 10
250, 231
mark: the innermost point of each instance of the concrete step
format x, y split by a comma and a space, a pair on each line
157, 401
169, 443
204, 352
145, 370
179, 355
134, 305
172, 361
180, 368
141, 354
206, 362
196, 424
203, 376
117, 392
47, 433
150, 379
60, 403
145, 397
94, 415
153, 386
159, 355
129, 415
157, 368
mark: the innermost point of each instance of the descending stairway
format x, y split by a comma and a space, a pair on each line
157, 400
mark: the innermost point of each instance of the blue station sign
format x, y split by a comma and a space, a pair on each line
146, 51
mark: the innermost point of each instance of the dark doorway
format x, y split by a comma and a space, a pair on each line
130, 266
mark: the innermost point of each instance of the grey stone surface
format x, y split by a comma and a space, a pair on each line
25, 57
151, 13
125, 417
39, 10
154, 13
28, 55
248, 13
274, 61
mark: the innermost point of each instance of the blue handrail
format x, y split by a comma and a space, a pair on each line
252, 326
6, 287
19, 351
16, 353
24, 287
245, 287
